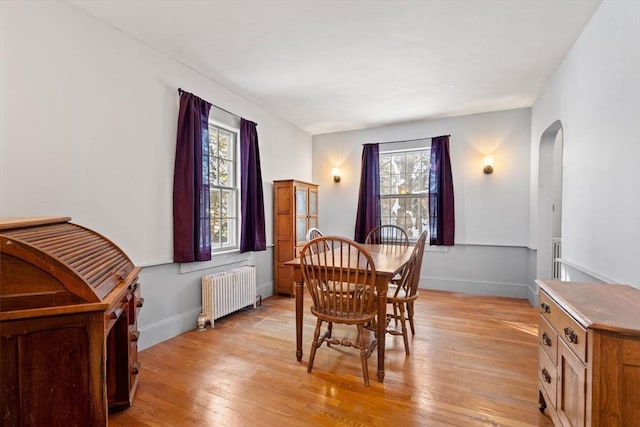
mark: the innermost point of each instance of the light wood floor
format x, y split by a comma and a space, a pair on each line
473, 363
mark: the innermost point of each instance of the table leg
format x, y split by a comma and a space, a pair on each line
299, 289
382, 331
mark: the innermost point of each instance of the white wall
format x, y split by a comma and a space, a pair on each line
491, 210
87, 129
595, 94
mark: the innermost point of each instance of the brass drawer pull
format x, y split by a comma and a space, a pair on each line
546, 340
571, 335
545, 375
139, 302
544, 307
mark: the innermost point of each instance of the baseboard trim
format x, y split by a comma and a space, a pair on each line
501, 289
170, 327
265, 290
165, 329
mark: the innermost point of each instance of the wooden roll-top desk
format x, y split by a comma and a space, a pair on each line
69, 302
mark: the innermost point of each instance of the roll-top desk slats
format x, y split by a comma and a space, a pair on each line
69, 302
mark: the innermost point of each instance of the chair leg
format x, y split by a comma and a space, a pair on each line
403, 323
329, 332
395, 314
410, 312
364, 355
314, 345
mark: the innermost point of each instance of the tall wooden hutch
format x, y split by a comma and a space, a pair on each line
295, 211
69, 302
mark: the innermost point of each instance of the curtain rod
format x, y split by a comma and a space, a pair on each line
181, 91
405, 140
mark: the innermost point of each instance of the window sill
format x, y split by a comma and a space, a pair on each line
218, 259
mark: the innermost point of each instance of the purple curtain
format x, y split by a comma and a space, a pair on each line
441, 213
191, 217
368, 214
252, 229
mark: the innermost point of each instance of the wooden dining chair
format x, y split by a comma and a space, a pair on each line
318, 246
387, 234
313, 233
404, 292
342, 285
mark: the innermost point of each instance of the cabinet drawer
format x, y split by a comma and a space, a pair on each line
547, 376
569, 331
548, 340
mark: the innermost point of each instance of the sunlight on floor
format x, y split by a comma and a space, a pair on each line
522, 327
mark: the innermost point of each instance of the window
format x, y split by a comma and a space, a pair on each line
224, 187
404, 189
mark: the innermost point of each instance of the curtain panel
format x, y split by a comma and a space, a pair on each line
368, 213
441, 209
191, 215
252, 228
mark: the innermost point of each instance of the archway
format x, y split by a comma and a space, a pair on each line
549, 202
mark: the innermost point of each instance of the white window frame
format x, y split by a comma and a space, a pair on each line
235, 189
413, 234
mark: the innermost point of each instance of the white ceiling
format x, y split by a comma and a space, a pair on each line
329, 65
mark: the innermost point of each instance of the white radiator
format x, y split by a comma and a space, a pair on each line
228, 291
556, 254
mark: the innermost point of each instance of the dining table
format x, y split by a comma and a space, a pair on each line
388, 260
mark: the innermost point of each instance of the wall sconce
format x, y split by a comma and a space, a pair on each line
488, 164
336, 174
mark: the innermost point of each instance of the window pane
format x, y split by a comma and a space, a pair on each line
215, 233
385, 206
233, 226
226, 234
213, 170
215, 203
226, 173
213, 141
385, 184
397, 161
385, 174
224, 144
228, 206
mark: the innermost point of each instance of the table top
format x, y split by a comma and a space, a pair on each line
388, 259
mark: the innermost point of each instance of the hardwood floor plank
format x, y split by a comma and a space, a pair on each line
473, 363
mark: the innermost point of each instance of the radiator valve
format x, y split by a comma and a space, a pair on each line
202, 322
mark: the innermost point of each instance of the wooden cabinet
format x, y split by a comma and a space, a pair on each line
69, 302
589, 354
295, 210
